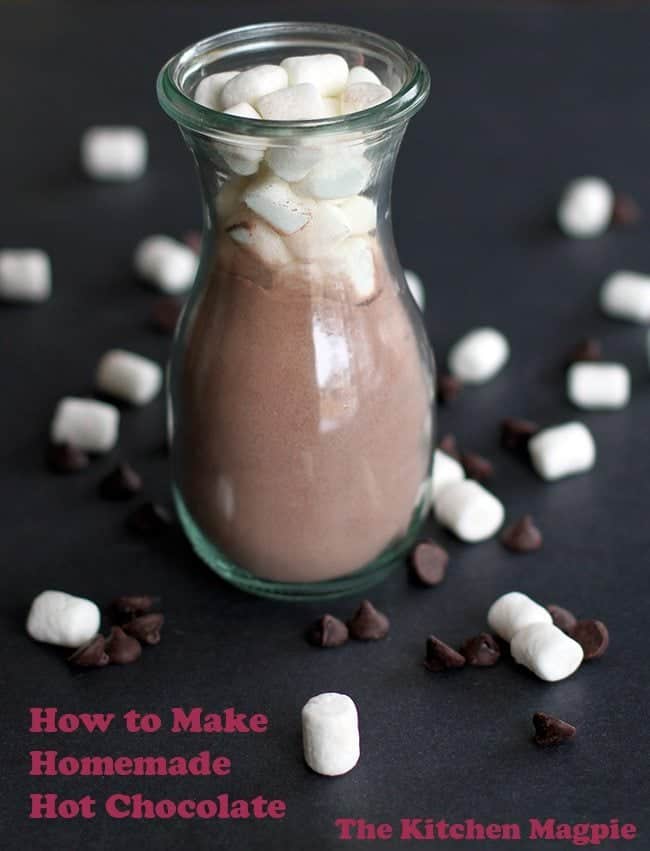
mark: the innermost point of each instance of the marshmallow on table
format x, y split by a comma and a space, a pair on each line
328, 72
25, 275
361, 74
546, 651
626, 295
585, 209
59, 618
261, 240
513, 612
446, 471
470, 511
562, 450
208, 91
167, 263
275, 202
360, 96
249, 86
330, 734
114, 153
295, 103
128, 376
86, 424
360, 213
339, 174
598, 386
327, 227
478, 356
416, 287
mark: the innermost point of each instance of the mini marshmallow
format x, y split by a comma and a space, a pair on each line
416, 287
446, 471
25, 275
243, 158
339, 174
128, 376
354, 263
585, 209
513, 612
275, 202
167, 263
208, 91
331, 107
470, 511
478, 356
562, 451
85, 424
58, 618
114, 153
327, 227
249, 86
327, 72
292, 163
626, 295
546, 651
360, 96
295, 103
598, 386
360, 214
361, 74
261, 240
330, 734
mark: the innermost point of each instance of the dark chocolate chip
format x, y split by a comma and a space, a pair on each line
626, 212
587, 350
428, 562
550, 730
121, 483
440, 656
449, 388
476, 466
448, 444
481, 651
145, 628
327, 631
592, 636
165, 313
522, 536
515, 433
64, 458
368, 624
92, 654
134, 604
563, 618
150, 518
122, 649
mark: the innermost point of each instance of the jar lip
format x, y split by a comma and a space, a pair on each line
193, 116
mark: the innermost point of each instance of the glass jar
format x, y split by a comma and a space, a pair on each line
301, 380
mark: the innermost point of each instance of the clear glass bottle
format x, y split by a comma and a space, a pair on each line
301, 379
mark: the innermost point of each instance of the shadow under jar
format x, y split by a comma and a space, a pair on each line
301, 378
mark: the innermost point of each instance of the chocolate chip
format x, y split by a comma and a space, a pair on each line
522, 536
368, 624
64, 458
587, 350
146, 628
592, 636
440, 656
428, 562
122, 649
165, 313
515, 433
121, 483
448, 444
448, 388
481, 651
150, 518
92, 654
476, 466
563, 618
134, 604
327, 631
550, 730
626, 211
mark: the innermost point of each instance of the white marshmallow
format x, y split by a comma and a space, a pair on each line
249, 86
242, 157
479, 355
562, 451
295, 103
208, 91
261, 240
25, 275
339, 174
446, 471
353, 263
585, 209
626, 295
361, 74
167, 263
331, 107
546, 651
513, 612
59, 618
328, 72
470, 511
330, 734
292, 163
360, 96
360, 213
275, 202
327, 227
128, 376
598, 386
416, 287
114, 153
85, 423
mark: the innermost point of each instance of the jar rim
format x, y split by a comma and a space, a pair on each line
193, 116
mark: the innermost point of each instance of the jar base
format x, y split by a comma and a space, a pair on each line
353, 583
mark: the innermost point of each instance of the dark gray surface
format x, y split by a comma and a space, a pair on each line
521, 101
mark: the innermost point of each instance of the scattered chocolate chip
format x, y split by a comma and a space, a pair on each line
587, 350
122, 649
145, 628
64, 458
327, 631
448, 444
440, 656
481, 651
522, 536
121, 483
515, 433
92, 654
165, 313
448, 388
193, 239
563, 618
428, 562
368, 624
150, 518
592, 636
476, 466
626, 211
134, 604
550, 730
